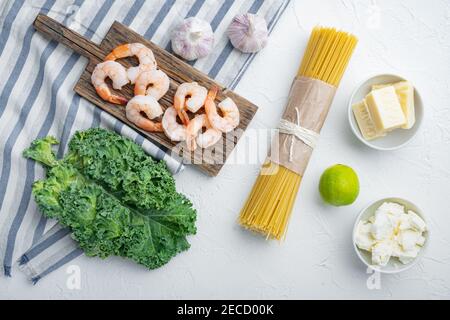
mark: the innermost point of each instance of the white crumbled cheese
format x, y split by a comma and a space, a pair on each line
394, 212
363, 238
382, 227
404, 222
407, 256
382, 252
417, 222
397, 249
405, 260
392, 208
408, 239
421, 241
391, 232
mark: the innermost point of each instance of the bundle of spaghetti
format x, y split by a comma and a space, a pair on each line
270, 203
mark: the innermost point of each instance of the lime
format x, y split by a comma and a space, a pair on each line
339, 185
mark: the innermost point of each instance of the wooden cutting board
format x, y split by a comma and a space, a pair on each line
210, 160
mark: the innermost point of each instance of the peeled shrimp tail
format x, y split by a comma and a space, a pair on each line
191, 138
105, 93
184, 117
157, 127
179, 106
149, 125
119, 52
212, 94
210, 106
194, 127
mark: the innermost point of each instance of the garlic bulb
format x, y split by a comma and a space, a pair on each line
248, 32
193, 39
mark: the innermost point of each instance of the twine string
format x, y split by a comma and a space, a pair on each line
307, 136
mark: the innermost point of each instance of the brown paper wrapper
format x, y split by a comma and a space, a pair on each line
313, 99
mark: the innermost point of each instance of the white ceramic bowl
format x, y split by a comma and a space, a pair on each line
397, 138
394, 265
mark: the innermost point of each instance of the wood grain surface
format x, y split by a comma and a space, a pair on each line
210, 160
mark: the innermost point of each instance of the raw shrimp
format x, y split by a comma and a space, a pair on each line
203, 140
117, 73
147, 105
173, 130
195, 95
230, 112
156, 81
144, 54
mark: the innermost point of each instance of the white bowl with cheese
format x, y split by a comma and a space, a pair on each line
394, 264
397, 138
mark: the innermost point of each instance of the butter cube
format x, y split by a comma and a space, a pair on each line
365, 122
405, 94
385, 109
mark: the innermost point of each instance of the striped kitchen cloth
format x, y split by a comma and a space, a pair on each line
36, 100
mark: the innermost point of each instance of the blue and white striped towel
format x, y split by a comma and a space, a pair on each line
36, 99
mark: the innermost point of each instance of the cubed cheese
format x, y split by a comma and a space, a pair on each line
405, 94
365, 122
385, 109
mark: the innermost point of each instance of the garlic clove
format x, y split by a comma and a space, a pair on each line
193, 38
248, 32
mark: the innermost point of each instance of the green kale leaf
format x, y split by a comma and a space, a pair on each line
115, 198
41, 151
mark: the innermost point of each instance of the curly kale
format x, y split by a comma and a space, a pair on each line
114, 198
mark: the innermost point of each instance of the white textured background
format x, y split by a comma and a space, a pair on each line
410, 38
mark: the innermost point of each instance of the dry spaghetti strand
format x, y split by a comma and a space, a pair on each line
269, 205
